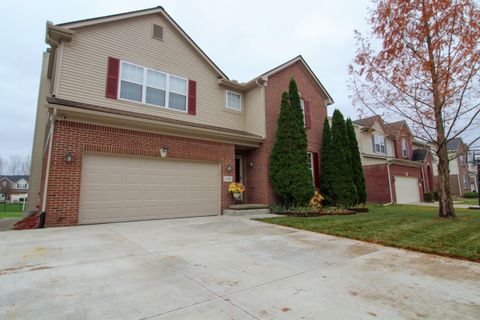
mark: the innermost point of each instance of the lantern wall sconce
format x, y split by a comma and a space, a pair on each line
229, 168
164, 151
250, 164
69, 157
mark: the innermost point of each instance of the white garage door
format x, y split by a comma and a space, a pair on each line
121, 188
406, 189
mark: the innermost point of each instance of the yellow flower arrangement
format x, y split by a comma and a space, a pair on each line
316, 201
236, 187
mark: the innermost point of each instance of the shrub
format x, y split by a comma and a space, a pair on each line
470, 195
429, 196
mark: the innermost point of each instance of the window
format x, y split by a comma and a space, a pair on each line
465, 182
152, 87
310, 163
379, 144
462, 160
302, 105
404, 148
21, 186
234, 101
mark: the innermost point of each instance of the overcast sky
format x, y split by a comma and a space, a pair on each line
244, 38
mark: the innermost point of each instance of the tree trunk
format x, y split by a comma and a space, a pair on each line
445, 207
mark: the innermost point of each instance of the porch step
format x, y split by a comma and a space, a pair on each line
246, 210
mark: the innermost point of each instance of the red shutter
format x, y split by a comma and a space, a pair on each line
112, 78
308, 120
316, 174
192, 97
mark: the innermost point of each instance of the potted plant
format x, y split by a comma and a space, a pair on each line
236, 189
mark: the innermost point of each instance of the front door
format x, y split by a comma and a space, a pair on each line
238, 168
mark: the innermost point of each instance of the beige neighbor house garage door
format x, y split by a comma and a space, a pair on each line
406, 189
122, 188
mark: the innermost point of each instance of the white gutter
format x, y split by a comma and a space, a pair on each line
47, 171
389, 162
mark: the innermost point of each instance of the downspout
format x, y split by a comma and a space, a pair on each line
47, 171
389, 162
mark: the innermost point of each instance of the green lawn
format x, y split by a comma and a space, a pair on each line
410, 227
11, 210
473, 202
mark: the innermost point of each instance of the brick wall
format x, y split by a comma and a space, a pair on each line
63, 194
376, 181
259, 188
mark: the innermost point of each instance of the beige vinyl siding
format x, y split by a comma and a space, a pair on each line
39, 136
255, 111
84, 68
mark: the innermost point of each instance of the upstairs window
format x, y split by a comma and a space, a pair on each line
302, 105
152, 87
404, 148
379, 144
234, 101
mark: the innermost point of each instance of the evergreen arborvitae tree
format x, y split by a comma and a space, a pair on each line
289, 167
327, 165
343, 189
357, 170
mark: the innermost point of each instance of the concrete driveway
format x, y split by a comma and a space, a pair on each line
223, 268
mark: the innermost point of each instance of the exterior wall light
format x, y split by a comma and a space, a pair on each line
69, 157
164, 151
250, 164
229, 168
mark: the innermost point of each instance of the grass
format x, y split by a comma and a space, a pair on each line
11, 210
409, 227
469, 201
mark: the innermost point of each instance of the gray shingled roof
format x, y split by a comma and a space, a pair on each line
454, 144
419, 154
14, 178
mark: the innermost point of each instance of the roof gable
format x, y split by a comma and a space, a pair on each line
133, 14
300, 59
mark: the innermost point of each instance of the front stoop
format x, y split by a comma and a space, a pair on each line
246, 210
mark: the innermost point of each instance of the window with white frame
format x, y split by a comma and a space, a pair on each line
234, 101
404, 148
379, 144
152, 87
310, 164
465, 182
462, 160
302, 105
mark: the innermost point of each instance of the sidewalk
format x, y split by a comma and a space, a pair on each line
435, 204
7, 223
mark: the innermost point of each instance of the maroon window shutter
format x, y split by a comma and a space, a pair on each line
112, 78
192, 97
316, 174
308, 120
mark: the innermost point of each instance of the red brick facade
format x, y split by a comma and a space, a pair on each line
63, 192
259, 188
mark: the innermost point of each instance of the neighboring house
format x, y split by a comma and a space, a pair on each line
459, 170
396, 170
17, 188
135, 122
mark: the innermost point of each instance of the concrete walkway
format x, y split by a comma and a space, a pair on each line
7, 223
224, 268
435, 204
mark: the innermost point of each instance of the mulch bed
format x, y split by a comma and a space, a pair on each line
30, 222
307, 214
358, 210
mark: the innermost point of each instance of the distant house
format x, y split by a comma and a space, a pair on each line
396, 168
17, 186
460, 177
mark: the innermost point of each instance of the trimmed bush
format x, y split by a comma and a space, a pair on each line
470, 195
429, 196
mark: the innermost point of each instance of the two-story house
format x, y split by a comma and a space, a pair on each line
459, 172
15, 188
136, 122
395, 171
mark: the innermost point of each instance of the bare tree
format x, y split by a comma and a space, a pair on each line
421, 62
14, 164
5, 190
2, 165
25, 166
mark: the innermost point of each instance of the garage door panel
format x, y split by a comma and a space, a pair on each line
406, 189
116, 188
